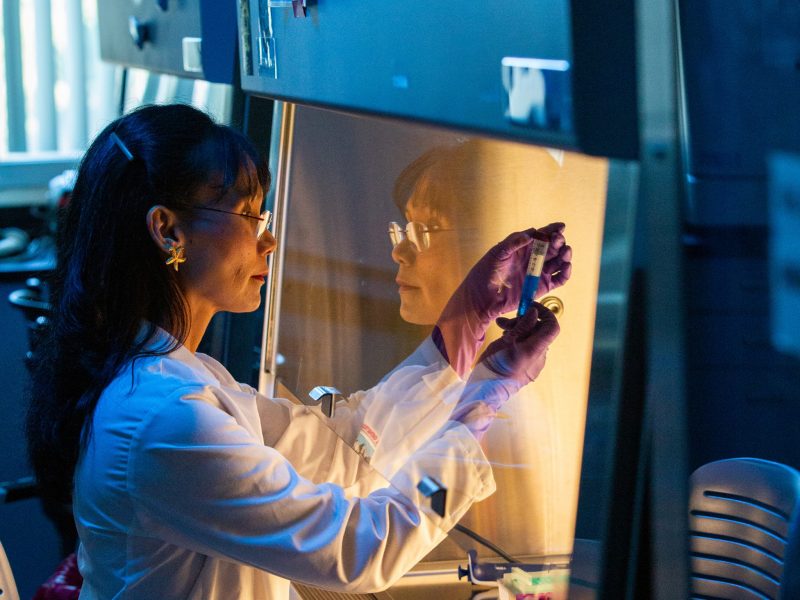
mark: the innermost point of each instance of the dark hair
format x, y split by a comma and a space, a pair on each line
467, 180
110, 277
446, 179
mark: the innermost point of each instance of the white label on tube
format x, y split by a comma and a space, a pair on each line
538, 254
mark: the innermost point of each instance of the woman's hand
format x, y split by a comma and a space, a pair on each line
520, 353
506, 365
557, 267
493, 287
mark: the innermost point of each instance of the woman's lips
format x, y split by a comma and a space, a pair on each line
260, 277
405, 287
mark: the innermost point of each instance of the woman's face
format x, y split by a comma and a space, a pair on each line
428, 278
226, 264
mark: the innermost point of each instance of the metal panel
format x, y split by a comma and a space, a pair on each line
166, 37
160, 34
443, 62
610, 413
666, 417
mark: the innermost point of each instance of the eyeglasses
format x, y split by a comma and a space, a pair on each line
264, 219
415, 232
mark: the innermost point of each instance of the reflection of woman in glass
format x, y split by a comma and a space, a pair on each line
442, 195
452, 198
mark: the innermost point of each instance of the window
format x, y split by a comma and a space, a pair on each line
55, 91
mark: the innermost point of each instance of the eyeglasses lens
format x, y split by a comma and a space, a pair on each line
395, 233
418, 235
414, 232
264, 223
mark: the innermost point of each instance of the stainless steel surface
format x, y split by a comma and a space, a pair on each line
281, 155
666, 402
326, 397
596, 493
394, 61
435, 591
307, 592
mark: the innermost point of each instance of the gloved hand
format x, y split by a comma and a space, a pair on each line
507, 364
557, 267
493, 287
519, 354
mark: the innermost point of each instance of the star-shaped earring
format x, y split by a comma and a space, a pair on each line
176, 255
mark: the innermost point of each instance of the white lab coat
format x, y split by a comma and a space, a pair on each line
194, 486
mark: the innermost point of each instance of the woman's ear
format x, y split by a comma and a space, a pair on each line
164, 227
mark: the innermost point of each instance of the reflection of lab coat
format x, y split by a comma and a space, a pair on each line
529, 446
194, 486
410, 405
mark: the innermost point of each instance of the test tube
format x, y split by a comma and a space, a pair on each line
538, 254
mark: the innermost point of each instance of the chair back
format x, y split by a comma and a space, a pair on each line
790, 584
8, 587
740, 514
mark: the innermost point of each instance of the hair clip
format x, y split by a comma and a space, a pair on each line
123, 148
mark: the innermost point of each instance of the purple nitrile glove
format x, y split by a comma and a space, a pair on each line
557, 267
507, 364
519, 354
493, 287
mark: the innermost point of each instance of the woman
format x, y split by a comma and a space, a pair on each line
184, 483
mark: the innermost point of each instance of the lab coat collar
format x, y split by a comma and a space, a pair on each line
161, 340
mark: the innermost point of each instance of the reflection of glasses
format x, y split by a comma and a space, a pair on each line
417, 233
264, 219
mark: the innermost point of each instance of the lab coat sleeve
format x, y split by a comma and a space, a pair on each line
403, 410
303, 436
384, 424
422, 380
201, 481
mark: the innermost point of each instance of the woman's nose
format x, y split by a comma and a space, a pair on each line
267, 243
404, 253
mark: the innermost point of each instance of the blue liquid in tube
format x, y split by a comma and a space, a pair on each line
534, 271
